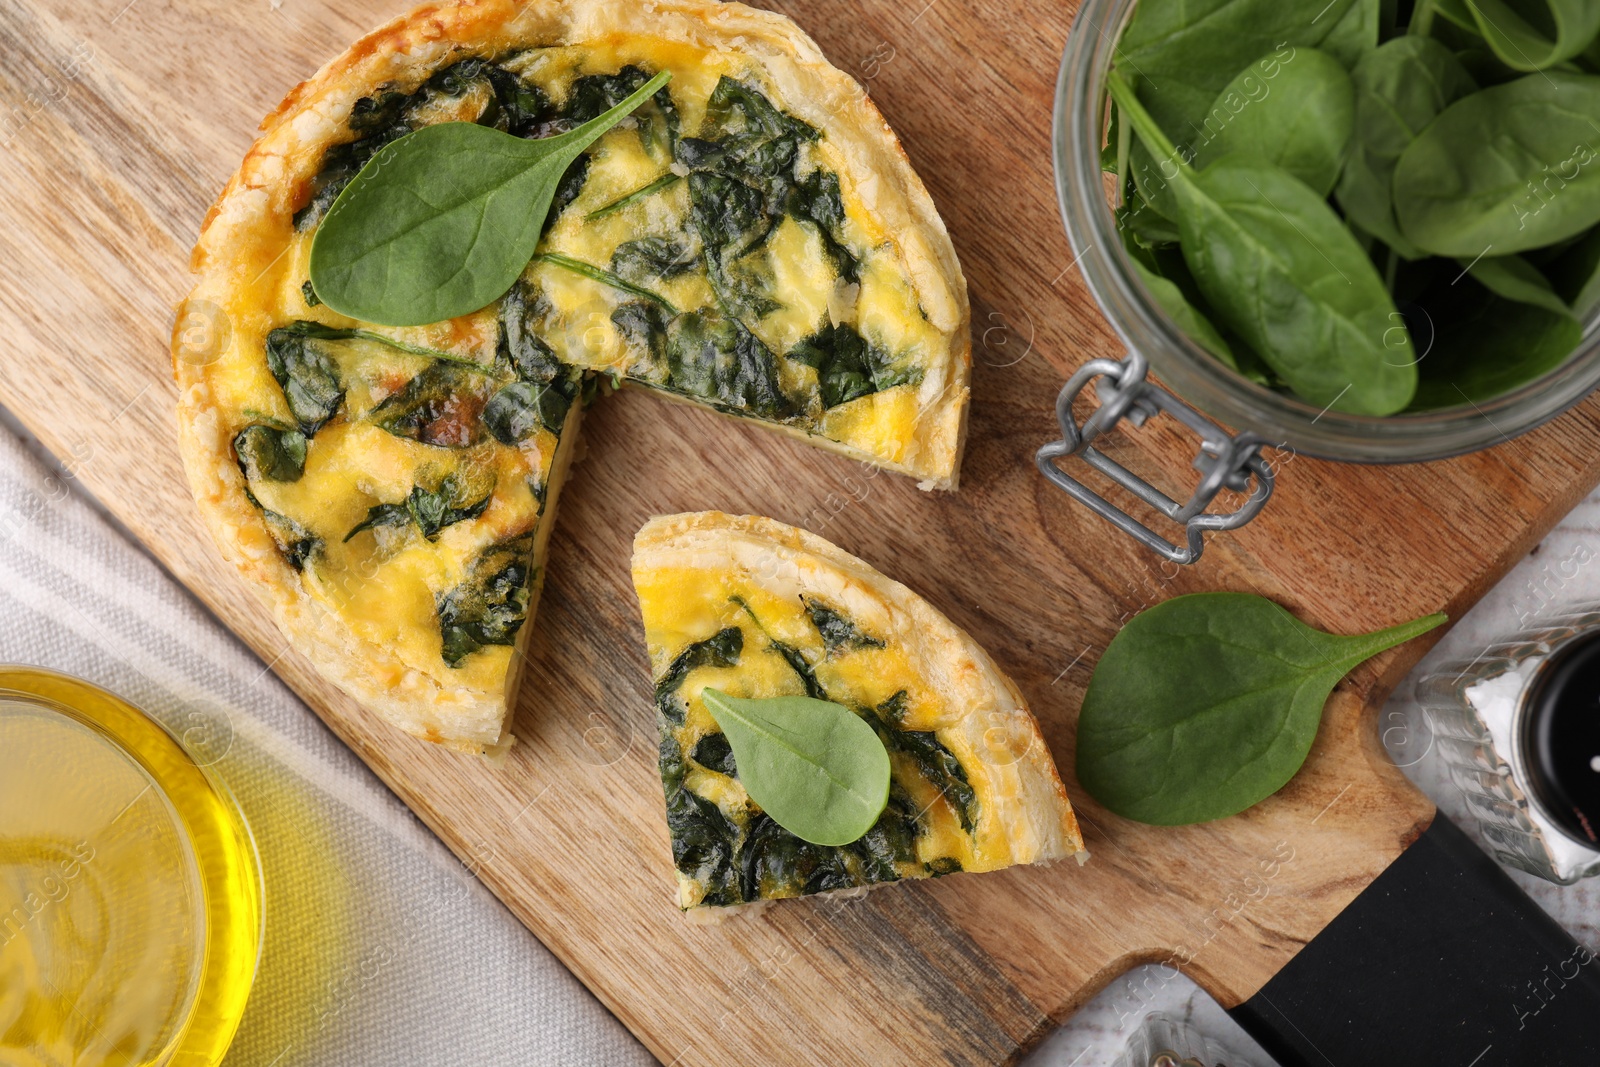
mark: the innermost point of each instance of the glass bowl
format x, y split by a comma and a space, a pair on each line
130, 887
1197, 377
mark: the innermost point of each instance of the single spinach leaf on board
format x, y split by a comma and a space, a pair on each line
1487, 346
1514, 278
1400, 87
491, 603
721, 649
1207, 704
1512, 168
816, 768
1281, 270
1302, 121
269, 454
848, 366
1535, 35
443, 221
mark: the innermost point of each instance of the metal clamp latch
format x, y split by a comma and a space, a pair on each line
1225, 461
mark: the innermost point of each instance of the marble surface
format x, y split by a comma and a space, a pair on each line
1562, 573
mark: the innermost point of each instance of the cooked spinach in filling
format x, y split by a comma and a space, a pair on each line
669, 271
734, 851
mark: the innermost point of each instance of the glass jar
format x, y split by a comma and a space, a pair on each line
1491, 720
1263, 416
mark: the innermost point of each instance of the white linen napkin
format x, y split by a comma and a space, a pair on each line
381, 948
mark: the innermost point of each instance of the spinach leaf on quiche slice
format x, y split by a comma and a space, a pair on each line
754, 609
749, 238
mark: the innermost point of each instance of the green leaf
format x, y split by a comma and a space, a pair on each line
1512, 168
1514, 278
270, 454
815, 767
1399, 88
1301, 121
1184, 315
1282, 271
1520, 31
442, 221
1576, 274
1185, 52
1207, 704
848, 367
1487, 346
491, 603
1355, 34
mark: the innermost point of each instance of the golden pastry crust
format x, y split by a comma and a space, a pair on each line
249, 228
957, 691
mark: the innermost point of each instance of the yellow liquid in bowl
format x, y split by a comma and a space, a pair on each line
130, 892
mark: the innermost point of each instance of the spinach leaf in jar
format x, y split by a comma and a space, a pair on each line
1508, 169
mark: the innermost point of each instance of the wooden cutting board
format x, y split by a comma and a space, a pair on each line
121, 123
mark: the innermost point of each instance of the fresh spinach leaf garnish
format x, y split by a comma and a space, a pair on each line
815, 767
268, 454
429, 510
839, 633
442, 221
847, 366
491, 603
721, 649
1207, 704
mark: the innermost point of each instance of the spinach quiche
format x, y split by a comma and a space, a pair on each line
753, 608
751, 239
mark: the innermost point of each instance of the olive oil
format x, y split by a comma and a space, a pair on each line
130, 894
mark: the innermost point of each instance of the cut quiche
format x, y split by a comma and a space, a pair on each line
751, 239
754, 608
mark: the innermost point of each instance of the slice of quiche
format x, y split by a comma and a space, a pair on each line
752, 239
754, 608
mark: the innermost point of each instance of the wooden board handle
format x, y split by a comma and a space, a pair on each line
1442, 959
